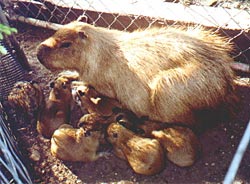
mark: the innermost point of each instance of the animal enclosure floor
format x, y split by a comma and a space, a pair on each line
219, 143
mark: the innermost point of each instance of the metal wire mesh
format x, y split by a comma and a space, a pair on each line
225, 16
10, 71
12, 169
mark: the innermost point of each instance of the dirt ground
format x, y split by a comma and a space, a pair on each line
219, 143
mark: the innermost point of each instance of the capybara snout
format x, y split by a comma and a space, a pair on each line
42, 51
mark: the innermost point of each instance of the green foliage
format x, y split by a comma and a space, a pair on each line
8, 31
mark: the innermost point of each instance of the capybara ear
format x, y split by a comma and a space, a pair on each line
95, 100
82, 34
52, 85
82, 18
65, 44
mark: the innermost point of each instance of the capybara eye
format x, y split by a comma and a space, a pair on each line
119, 118
80, 124
64, 85
115, 135
139, 131
52, 84
33, 82
87, 133
81, 93
65, 45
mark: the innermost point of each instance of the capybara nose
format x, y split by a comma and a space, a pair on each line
42, 51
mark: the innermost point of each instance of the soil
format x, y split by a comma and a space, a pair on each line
219, 143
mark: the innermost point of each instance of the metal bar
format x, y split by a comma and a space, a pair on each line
232, 171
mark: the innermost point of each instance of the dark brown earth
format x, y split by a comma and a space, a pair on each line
219, 143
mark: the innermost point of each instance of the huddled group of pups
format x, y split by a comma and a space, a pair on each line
144, 144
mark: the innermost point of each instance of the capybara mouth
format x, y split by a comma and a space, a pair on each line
41, 52
52, 69
48, 66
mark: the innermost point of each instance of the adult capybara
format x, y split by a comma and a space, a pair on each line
164, 73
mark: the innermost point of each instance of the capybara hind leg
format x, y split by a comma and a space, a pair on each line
177, 92
168, 102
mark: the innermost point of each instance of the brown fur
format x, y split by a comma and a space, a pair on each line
93, 121
70, 144
144, 155
163, 73
27, 99
181, 144
146, 127
98, 107
94, 102
58, 106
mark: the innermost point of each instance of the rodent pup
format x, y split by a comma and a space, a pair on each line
73, 144
144, 155
164, 73
92, 101
181, 145
58, 107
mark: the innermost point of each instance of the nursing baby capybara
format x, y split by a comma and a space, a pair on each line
144, 155
164, 73
74, 144
92, 101
181, 144
58, 106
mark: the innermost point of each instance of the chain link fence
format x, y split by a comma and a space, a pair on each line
230, 17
